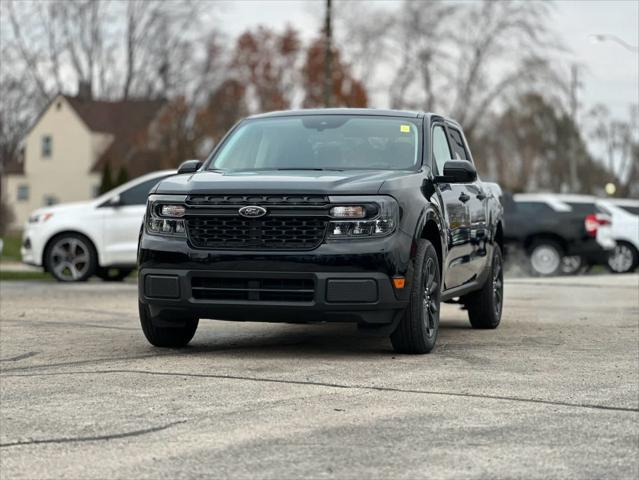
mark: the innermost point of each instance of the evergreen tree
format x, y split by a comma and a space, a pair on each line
123, 177
107, 179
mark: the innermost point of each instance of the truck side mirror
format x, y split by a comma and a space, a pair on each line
189, 166
457, 171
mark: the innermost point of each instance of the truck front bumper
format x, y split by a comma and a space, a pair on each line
339, 282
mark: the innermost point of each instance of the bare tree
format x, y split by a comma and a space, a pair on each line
20, 101
618, 142
121, 50
361, 29
31, 57
458, 58
528, 144
502, 46
422, 34
469, 60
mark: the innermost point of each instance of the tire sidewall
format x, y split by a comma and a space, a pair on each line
549, 244
497, 258
166, 337
481, 304
93, 257
417, 294
635, 259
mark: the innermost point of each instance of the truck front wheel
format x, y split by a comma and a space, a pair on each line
175, 336
417, 330
485, 305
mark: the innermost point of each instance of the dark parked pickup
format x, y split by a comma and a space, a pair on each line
340, 215
558, 233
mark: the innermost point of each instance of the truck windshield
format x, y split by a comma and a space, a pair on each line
321, 142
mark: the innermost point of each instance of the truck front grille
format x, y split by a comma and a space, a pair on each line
251, 289
292, 221
271, 232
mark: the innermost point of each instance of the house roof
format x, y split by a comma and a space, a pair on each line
108, 117
127, 120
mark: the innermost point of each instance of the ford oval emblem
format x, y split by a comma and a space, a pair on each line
252, 211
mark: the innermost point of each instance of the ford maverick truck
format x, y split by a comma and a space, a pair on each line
332, 215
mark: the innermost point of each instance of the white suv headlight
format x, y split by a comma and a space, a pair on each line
40, 218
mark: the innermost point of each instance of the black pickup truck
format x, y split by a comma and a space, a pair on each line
336, 215
560, 234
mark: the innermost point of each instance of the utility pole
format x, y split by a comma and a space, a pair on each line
574, 106
328, 57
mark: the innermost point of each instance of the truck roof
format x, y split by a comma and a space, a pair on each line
351, 111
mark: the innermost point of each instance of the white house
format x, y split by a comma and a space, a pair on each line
68, 146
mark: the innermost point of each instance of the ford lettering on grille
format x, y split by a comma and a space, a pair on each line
252, 211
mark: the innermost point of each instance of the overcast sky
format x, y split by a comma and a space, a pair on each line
610, 73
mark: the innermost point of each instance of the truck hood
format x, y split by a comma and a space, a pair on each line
348, 182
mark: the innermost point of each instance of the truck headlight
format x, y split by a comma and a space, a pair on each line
163, 216
377, 216
348, 211
172, 210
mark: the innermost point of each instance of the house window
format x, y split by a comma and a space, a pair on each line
23, 193
50, 200
46, 146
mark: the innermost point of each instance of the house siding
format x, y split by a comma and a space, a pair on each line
66, 174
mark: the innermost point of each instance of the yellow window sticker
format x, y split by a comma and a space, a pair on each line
404, 128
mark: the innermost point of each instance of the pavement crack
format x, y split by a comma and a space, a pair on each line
340, 386
68, 324
77, 363
95, 438
19, 357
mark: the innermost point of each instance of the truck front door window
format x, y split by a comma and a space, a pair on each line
458, 144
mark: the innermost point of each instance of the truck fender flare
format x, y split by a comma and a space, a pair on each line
426, 215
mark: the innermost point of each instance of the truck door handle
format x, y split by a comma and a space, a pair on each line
481, 196
464, 198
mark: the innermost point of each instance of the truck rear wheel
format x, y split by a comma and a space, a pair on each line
485, 306
175, 336
545, 258
418, 329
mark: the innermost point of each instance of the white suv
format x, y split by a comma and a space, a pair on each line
625, 230
74, 241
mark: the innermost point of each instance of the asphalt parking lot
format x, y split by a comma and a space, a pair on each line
554, 392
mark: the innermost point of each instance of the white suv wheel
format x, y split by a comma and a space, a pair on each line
622, 259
